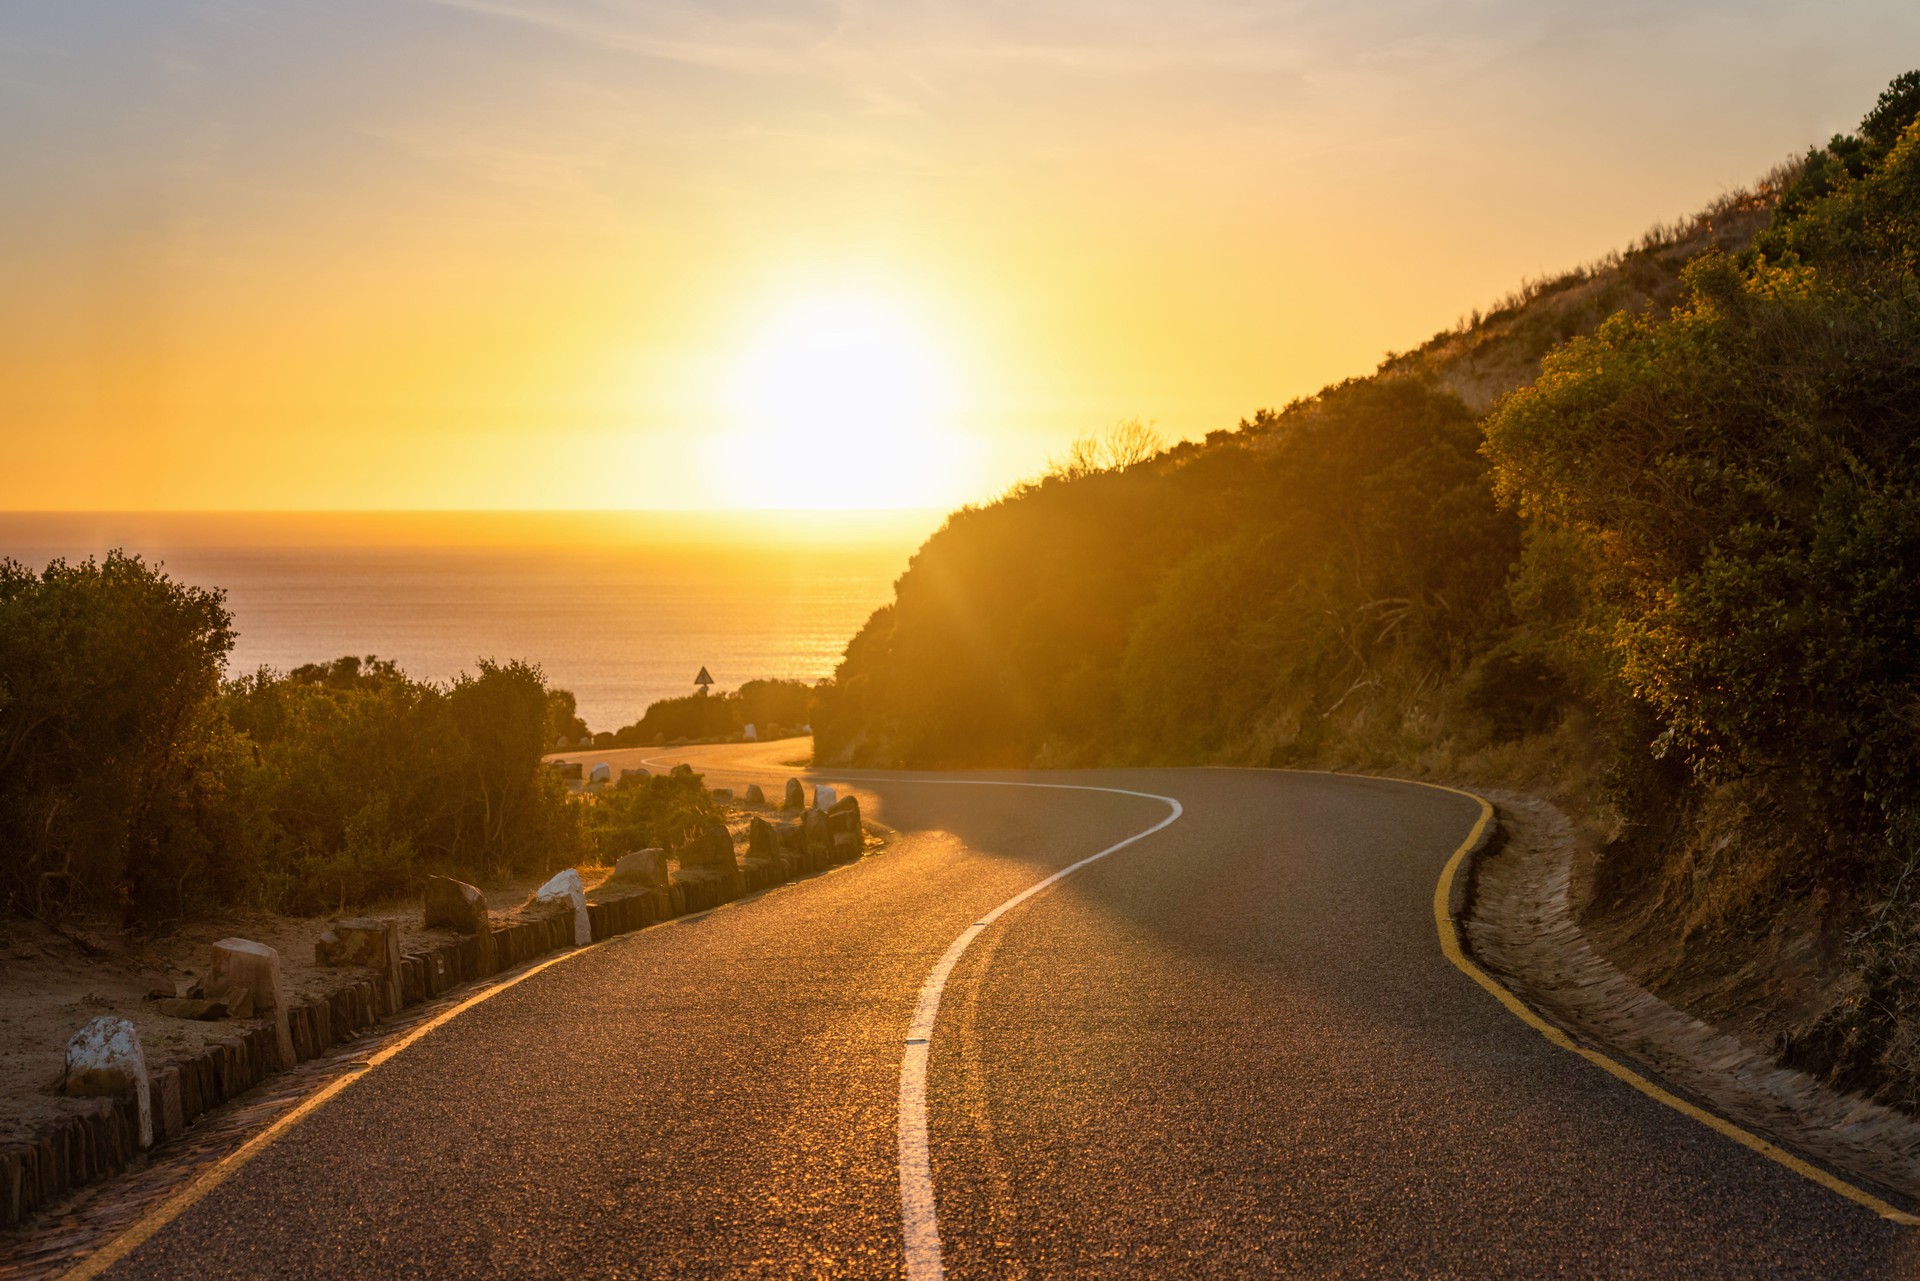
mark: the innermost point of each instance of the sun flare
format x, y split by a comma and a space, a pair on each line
842, 402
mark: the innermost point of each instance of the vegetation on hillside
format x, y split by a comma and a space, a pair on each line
1662, 513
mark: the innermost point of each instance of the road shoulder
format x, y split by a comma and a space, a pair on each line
1521, 927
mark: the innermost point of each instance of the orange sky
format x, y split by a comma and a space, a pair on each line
558, 253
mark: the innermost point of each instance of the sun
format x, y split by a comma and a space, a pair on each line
842, 402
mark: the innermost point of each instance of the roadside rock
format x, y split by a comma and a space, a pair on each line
564, 890
845, 816
713, 847
722, 793
825, 798
365, 940
105, 1058
754, 796
568, 769
602, 773
456, 905
711, 853
761, 841
681, 770
256, 967
648, 867
819, 834
796, 798
630, 777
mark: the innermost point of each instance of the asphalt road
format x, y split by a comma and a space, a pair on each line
1232, 1048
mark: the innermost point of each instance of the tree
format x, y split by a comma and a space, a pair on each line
111, 754
1123, 445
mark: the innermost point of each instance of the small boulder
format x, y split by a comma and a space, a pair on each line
824, 797
722, 793
796, 798
568, 769
601, 773
105, 1058
454, 905
682, 770
819, 833
750, 733
365, 940
458, 906
633, 777
564, 890
713, 847
754, 795
761, 840
845, 816
647, 867
256, 967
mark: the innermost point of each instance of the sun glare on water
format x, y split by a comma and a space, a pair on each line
841, 403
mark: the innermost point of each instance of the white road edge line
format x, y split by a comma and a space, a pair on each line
920, 1227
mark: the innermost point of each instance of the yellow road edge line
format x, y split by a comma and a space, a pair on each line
1450, 946
143, 1229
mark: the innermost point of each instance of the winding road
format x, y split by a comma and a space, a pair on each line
1228, 1045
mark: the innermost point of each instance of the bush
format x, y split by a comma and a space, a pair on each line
1742, 480
763, 704
132, 779
115, 766
364, 781
651, 813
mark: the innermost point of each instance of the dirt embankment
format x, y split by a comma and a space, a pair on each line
1710, 1029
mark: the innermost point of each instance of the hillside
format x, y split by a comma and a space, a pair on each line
1641, 537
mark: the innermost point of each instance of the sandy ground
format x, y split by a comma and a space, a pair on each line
52, 982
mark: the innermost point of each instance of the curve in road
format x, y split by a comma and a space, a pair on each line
1244, 1055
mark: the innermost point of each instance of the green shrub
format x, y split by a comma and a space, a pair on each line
114, 764
650, 813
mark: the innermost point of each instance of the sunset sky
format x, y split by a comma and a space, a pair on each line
594, 254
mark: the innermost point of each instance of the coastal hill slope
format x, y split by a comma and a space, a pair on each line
1640, 537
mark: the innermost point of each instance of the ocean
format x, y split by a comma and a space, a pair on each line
622, 608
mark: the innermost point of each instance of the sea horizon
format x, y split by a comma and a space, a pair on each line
621, 607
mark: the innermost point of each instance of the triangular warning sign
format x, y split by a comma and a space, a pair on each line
702, 678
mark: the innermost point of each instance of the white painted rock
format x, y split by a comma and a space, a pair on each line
105, 1057
565, 889
602, 773
256, 967
751, 734
824, 797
